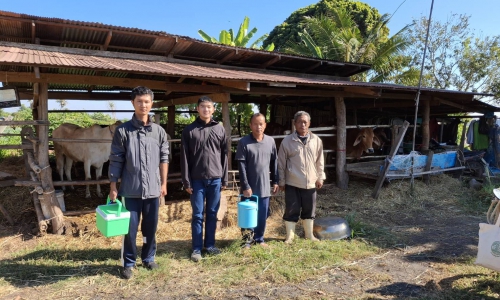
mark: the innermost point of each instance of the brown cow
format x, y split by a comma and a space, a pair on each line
380, 133
359, 141
91, 154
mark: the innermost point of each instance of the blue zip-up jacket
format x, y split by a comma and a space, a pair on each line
136, 153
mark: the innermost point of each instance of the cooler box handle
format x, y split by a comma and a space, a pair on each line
119, 210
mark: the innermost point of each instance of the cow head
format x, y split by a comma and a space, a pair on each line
366, 138
379, 133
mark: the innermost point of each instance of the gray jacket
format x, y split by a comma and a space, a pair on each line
136, 154
203, 152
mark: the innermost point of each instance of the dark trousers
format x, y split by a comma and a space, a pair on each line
262, 215
148, 208
299, 203
208, 189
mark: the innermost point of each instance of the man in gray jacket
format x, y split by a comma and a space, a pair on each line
204, 174
139, 156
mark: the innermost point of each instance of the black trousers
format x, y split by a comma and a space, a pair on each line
299, 203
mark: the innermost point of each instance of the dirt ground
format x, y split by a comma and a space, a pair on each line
427, 237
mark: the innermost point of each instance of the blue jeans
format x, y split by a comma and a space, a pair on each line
148, 209
208, 189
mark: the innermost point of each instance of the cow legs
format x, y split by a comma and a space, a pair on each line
60, 166
98, 174
67, 169
86, 166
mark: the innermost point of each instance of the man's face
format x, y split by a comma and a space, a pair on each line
142, 104
206, 110
302, 124
258, 125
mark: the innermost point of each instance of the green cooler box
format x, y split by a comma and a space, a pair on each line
112, 219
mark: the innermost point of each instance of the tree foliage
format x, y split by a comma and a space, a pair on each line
456, 58
241, 39
336, 36
364, 16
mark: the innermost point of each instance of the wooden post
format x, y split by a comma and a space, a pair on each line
388, 161
35, 105
425, 126
263, 108
227, 126
355, 116
171, 121
428, 166
49, 200
342, 179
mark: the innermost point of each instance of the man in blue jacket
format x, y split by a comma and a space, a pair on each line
139, 156
204, 174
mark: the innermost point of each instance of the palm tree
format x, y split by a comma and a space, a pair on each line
241, 39
337, 37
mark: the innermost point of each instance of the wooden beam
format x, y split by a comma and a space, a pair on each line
312, 67
388, 160
172, 48
33, 32
228, 57
426, 112
107, 41
270, 62
240, 85
363, 91
112, 81
457, 105
221, 97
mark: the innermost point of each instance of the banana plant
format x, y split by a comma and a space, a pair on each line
243, 36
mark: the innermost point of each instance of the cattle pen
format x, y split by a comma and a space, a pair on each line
45, 58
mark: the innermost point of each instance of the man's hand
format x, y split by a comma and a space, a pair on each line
282, 188
163, 190
223, 187
113, 192
275, 189
189, 191
319, 184
247, 193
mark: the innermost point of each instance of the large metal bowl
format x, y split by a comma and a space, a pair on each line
331, 228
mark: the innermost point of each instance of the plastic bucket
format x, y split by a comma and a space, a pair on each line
247, 212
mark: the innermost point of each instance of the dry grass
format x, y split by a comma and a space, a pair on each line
84, 263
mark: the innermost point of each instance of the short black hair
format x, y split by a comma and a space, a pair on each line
142, 90
205, 99
255, 115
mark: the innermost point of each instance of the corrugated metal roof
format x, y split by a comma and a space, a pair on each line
68, 33
90, 63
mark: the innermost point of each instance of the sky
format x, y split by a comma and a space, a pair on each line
188, 16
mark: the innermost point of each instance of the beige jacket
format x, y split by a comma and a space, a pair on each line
301, 165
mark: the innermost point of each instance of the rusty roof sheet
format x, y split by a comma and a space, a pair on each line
56, 57
69, 33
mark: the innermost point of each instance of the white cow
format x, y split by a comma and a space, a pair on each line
91, 154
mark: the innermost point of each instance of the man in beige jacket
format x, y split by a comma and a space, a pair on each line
301, 172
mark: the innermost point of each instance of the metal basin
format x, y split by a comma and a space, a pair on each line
331, 228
